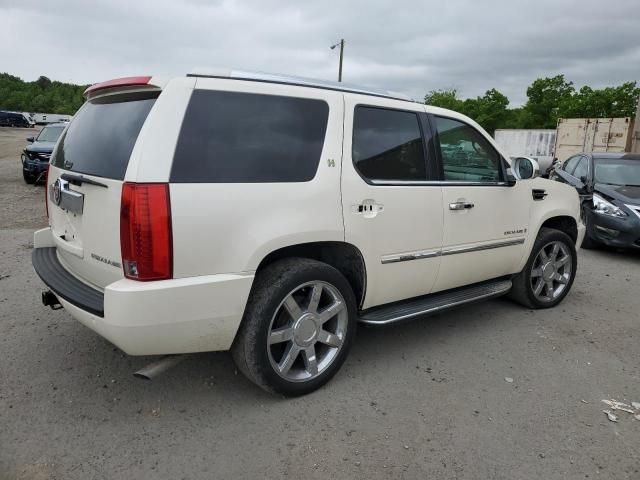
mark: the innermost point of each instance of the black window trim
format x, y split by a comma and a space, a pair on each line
427, 148
504, 178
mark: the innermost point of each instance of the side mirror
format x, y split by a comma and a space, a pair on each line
31, 139
525, 168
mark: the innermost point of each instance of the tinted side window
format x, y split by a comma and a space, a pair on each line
387, 144
466, 155
582, 168
570, 164
231, 137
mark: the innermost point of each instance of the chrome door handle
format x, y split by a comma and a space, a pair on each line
460, 206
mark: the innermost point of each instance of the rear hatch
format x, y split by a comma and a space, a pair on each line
85, 183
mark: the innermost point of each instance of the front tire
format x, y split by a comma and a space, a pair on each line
297, 328
549, 273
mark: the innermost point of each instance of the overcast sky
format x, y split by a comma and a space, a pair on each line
406, 46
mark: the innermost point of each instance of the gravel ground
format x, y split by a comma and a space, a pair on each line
426, 399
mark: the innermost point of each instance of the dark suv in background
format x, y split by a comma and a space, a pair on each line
609, 186
14, 119
35, 157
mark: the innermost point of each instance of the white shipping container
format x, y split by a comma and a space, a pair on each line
44, 118
575, 135
538, 144
635, 136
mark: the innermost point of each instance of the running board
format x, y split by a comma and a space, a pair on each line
436, 302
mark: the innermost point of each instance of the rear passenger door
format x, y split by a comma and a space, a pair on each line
486, 218
392, 212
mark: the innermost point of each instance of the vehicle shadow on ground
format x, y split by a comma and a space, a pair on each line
206, 379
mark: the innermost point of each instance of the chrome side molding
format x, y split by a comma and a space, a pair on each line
404, 257
478, 248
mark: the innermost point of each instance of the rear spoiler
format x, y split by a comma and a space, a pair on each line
142, 81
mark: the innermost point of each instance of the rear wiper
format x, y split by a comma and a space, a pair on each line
79, 180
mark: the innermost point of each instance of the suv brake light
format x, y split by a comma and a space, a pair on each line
118, 82
46, 189
145, 231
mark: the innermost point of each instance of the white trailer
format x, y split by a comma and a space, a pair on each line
44, 118
575, 135
537, 144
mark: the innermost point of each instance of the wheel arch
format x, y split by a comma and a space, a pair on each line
564, 223
343, 256
561, 219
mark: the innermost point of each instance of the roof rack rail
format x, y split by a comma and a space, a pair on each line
297, 81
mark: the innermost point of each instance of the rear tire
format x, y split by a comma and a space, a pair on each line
298, 327
549, 273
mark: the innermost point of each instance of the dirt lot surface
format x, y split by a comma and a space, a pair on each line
429, 399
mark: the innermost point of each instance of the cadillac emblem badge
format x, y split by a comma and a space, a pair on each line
57, 193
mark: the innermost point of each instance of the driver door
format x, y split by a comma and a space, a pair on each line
485, 217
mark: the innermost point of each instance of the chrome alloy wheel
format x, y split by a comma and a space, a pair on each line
551, 271
307, 331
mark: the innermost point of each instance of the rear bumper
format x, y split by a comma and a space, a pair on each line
184, 315
63, 284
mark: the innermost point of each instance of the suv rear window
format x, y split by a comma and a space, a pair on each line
101, 137
231, 137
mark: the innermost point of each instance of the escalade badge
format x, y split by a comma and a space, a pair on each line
57, 193
113, 263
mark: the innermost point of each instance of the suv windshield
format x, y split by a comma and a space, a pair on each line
49, 134
617, 172
100, 139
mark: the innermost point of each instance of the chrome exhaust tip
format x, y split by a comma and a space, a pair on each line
156, 368
49, 299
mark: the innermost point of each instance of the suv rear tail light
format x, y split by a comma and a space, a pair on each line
46, 190
145, 231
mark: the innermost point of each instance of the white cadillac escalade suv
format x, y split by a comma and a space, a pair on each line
269, 215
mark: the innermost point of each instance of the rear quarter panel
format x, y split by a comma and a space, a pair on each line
231, 227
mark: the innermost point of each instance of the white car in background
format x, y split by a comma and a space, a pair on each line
269, 215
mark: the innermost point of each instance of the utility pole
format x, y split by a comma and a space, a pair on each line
341, 43
635, 139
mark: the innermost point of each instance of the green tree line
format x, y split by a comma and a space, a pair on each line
42, 95
547, 100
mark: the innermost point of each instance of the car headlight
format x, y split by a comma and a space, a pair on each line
604, 207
